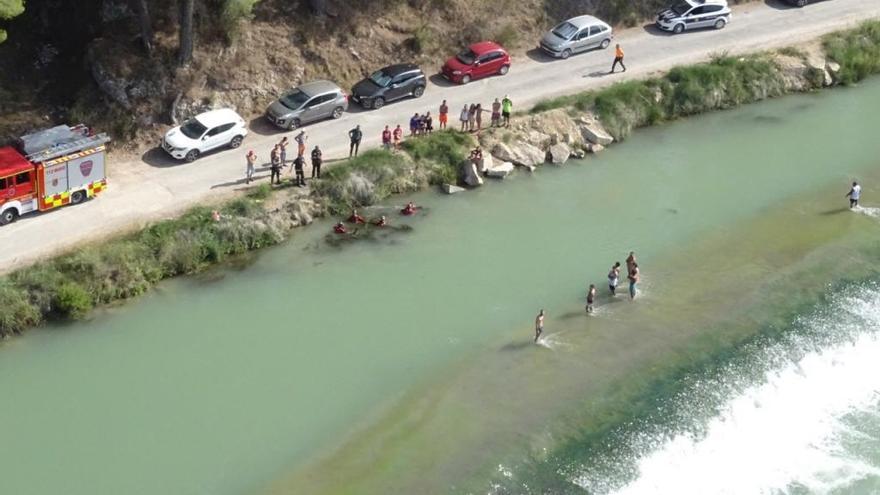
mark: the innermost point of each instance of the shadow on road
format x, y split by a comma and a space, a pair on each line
598, 73
779, 5
261, 126
653, 30
538, 55
440, 81
156, 157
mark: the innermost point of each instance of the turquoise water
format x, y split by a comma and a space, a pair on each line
376, 368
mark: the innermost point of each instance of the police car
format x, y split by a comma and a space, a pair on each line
694, 14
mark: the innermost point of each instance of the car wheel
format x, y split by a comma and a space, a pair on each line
503, 70
720, 23
8, 216
605, 43
293, 125
378, 103
337, 112
419, 91
192, 156
236, 142
77, 197
678, 29
565, 54
465, 79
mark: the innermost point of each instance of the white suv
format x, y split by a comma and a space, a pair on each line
205, 132
694, 14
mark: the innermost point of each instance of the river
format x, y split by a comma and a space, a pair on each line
405, 364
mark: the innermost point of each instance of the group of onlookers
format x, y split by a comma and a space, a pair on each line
278, 159
471, 116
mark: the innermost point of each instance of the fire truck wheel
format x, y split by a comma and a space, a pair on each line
236, 142
192, 155
8, 216
77, 197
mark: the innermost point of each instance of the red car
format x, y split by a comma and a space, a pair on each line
478, 60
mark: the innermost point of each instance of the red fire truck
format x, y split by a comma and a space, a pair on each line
50, 168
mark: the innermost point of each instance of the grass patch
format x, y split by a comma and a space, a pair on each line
857, 51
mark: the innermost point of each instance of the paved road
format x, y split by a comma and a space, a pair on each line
158, 187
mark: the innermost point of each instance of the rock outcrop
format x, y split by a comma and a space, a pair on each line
500, 171
452, 189
519, 153
485, 163
559, 153
469, 174
593, 132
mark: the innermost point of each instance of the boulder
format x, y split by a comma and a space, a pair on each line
485, 164
559, 153
452, 189
550, 127
519, 153
469, 174
832, 69
794, 71
593, 132
501, 171
595, 148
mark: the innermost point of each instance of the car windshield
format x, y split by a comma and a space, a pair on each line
193, 129
467, 57
294, 99
565, 30
681, 8
380, 78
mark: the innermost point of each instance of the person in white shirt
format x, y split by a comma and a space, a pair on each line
854, 195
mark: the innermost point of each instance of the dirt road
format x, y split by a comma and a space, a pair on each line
158, 187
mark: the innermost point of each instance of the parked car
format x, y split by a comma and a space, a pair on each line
388, 84
481, 59
309, 102
205, 132
577, 34
694, 14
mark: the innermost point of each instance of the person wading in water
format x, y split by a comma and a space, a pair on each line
614, 278
539, 325
854, 194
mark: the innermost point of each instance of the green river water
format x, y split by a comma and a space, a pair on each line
406, 365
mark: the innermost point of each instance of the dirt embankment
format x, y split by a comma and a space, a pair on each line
97, 72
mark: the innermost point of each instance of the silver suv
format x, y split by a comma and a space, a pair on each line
577, 34
307, 103
694, 14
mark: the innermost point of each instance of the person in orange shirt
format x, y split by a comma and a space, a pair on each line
618, 59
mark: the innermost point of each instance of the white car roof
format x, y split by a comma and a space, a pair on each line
213, 118
585, 20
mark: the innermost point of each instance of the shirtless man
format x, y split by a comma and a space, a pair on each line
633, 279
630, 261
539, 325
591, 296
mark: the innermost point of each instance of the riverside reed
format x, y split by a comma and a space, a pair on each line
69, 286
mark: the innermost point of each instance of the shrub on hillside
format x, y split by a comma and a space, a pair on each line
857, 51
71, 301
234, 12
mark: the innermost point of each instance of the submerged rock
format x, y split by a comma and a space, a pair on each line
452, 189
500, 171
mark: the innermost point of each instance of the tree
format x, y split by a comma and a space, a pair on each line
143, 13
8, 10
185, 46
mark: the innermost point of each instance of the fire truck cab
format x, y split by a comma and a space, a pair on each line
51, 168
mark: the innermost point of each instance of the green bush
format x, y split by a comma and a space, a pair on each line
17, 313
234, 12
857, 51
71, 301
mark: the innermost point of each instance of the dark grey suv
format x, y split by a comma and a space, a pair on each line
389, 84
307, 103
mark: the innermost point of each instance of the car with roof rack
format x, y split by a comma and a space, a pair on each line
310, 102
685, 15
388, 84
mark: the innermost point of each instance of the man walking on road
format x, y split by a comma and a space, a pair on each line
854, 194
355, 135
317, 158
444, 115
506, 110
618, 58
251, 158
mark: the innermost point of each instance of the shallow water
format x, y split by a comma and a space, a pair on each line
406, 364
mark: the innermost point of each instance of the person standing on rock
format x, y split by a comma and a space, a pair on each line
618, 58
539, 325
496, 113
275, 157
386, 139
301, 143
355, 135
854, 194
251, 158
317, 159
444, 115
613, 278
506, 110
463, 118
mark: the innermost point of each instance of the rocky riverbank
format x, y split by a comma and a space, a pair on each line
69, 286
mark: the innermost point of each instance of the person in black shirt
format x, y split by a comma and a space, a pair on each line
316, 163
355, 135
298, 163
